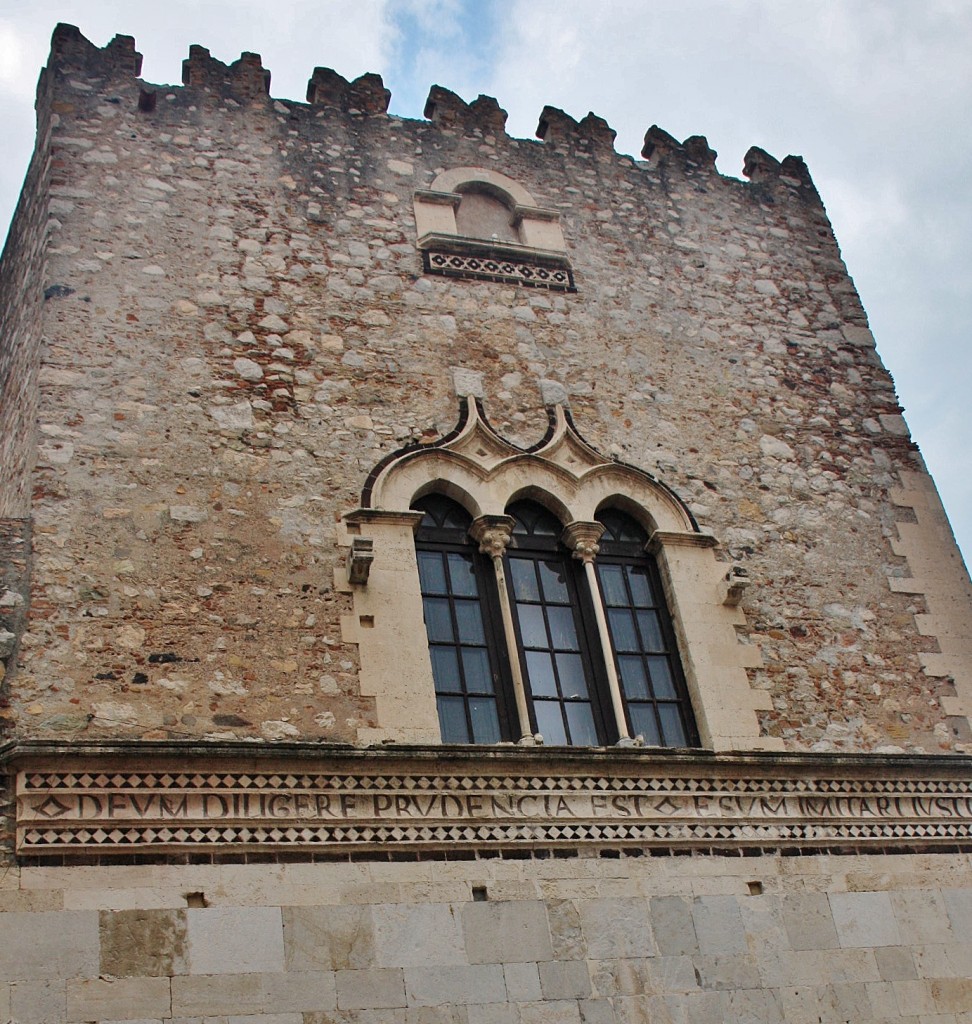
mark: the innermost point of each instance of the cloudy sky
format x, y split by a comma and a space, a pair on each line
875, 94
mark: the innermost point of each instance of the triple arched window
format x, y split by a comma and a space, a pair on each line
564, 636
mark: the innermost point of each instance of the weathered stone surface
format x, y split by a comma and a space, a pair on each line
143, 943
328, 938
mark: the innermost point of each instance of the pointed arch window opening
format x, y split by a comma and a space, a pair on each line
581, 678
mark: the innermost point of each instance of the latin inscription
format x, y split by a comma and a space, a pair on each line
314, 806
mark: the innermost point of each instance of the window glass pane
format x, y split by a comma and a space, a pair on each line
634, 682
550, 723
612, 585
650, 629
563, 632
462, 575
525, 586
661, 677
640, 586
431, 572
445, 669
540, 674
475, 667
469, 617
571, 671
554, 584
438, 622
485, 720
643, 723
672, 725
532, 629
452, 720
580, 721
622, 629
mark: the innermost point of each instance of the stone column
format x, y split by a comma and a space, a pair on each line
492, 533
581, 538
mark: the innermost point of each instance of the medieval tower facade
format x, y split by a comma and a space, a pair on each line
454, 579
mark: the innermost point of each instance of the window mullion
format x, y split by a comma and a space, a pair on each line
493, 535
582, 540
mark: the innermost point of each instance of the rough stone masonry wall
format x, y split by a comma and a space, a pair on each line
22, 276
806, 940
240, 329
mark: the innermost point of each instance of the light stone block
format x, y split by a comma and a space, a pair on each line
491, 1013
216, 995
235, 940
560, 979
560, 1011
864, 919
722, 972
718, 925
958, 904
368, 989
506, 932
35, 1002
757, 1005
265, 1018
52, 944
328, 938
117, 999
673, 925
522, 982
895, 963
616, 927
672, 974
596, 1011
921, 916
417, 935
914, 997
809, 921
433, 986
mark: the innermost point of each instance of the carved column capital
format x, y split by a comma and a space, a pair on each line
492, 534
582, 539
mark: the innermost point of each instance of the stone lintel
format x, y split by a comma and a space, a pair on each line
428, 195
670, 538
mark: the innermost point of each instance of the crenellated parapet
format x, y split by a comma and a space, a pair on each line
365, 95
245, 78
447, 110
70, 49
694, 153
591, 133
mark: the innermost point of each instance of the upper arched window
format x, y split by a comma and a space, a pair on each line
475, 222
483, 215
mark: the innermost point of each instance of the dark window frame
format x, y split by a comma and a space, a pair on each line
443, 541
622, 544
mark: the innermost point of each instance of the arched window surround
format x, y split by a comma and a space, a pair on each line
533, 251
484, 473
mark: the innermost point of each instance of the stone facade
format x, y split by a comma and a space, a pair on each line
240, 337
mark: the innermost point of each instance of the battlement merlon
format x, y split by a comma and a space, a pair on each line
247, 81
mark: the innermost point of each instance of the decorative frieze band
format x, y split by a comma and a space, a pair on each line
480, 803
518, 271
